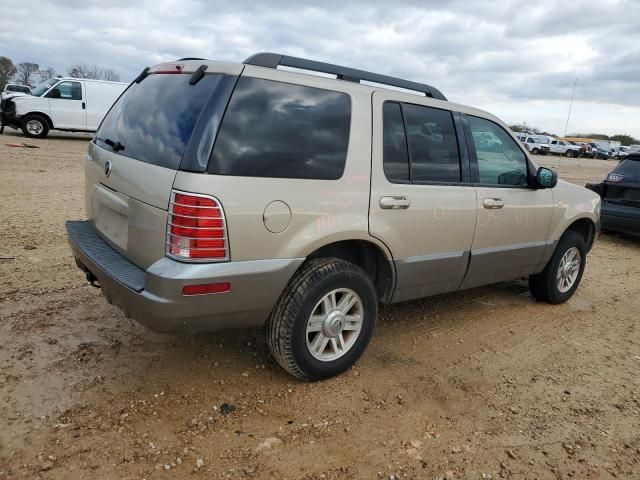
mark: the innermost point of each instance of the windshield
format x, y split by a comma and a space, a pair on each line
43, 87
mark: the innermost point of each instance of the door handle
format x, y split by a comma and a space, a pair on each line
493, 203
84, 105
387, 203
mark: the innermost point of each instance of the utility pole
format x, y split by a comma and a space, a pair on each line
566, 126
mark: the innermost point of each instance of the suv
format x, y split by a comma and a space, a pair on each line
620, 192
224, 195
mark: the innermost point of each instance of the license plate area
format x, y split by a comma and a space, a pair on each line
111, 215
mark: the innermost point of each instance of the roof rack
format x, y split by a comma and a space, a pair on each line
273, 60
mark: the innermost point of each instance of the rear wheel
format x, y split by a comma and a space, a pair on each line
324, 319
561, 277
35, 126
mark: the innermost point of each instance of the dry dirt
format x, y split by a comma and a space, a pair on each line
485, 383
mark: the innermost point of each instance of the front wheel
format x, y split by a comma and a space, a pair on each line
535, 151
561, 277
324, 319
569, 154
35, 126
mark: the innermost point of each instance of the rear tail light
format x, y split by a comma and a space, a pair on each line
196, 229
614, 177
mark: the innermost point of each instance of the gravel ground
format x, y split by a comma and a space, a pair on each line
484, 383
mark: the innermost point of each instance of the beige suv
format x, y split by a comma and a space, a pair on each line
224, 195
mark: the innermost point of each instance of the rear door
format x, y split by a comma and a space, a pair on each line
66, 105
512, 218
422, 205
132, 162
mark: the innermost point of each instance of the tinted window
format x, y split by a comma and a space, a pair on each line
154, 119
500, 160
433, 146
395, 156
275, 129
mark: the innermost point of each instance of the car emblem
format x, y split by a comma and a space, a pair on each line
107, 168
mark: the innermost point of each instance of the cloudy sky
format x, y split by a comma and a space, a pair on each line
516, 59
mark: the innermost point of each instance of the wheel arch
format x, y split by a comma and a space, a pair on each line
41, 114
586, 228
368, 255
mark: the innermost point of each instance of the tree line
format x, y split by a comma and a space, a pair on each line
623, 138
28, 73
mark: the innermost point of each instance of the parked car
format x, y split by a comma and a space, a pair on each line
620, 192
535, 145
71, 104
599, 151
15, 89
240, 194
620, 152
564, 147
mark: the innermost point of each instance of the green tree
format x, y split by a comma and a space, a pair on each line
7, 70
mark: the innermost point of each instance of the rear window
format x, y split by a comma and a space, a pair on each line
275, 129
629, 168
154, 120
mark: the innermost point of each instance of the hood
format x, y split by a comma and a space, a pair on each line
10, 95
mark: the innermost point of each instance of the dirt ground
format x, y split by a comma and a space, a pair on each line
484, 383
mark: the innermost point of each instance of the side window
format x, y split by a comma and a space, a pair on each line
500, 161
433, 146
395, 158
68, 91
555, 142
275, 129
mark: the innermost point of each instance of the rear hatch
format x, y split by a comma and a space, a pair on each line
622, 185
165, 121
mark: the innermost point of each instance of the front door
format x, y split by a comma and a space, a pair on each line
513, 218
422, 205
67, 106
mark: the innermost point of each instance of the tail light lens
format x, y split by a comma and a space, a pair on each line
196, 229
614, 177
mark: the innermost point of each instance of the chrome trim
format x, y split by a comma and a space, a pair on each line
227, 247
191, 216
195, 228
195, 206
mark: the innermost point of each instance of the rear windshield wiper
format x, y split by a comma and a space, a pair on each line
116, 146
197, 75
142, 75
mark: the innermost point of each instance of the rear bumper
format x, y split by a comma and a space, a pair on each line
620, 218
154, 297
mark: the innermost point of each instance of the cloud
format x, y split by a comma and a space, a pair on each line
516, 59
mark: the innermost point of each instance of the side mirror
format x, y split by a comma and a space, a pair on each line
55, 93
546, 178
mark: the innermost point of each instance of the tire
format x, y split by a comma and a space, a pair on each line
535, 151
35, 126
544, 286
569, 153
288, 336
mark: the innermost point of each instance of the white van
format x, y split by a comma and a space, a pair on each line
71, 104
